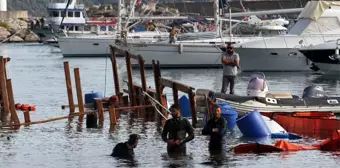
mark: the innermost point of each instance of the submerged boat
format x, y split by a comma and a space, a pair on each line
259, 98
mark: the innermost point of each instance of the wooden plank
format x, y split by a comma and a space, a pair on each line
181, 87
14, 114
114, 68
79, 94
69, 87
5, 112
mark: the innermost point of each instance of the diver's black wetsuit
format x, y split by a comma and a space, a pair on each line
216, 138
121, 150
177, 128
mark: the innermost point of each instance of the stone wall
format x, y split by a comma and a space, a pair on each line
13, 14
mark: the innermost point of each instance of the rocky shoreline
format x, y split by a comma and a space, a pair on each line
16, 31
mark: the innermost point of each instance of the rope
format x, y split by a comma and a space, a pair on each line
151, 98
105, 71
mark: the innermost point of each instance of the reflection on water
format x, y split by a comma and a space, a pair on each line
38, 78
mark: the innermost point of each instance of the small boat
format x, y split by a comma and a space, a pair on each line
259, 98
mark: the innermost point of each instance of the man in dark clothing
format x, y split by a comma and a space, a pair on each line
125, 149
216, 127
175, 130
231, 62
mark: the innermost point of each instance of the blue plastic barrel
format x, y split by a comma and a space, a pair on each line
229, 114
90, 97
185, 106
253, 125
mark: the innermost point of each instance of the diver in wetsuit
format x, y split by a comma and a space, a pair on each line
125, 149
175, 130
216, 127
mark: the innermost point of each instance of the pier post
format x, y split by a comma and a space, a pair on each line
69, 87
14, 114
114, 69
100, 112
132, 93
27, 117
113, 116
192, 99
157, 75
79, 94
175, 93
4, 94
143, 99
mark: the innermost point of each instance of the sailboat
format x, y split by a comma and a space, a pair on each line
204, 53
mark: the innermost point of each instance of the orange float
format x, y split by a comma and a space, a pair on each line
330, 144
24, 107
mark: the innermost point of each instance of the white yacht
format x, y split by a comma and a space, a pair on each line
75, 22
317, 23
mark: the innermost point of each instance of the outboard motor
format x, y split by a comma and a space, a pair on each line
257, 85
313, 92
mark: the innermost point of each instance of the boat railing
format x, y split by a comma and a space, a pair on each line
286, 40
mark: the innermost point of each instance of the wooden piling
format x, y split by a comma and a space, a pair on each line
69, 87
175, 93
27, 117
100, 112
4, 95
14, 114
157, 75
192, 99
79, 94
114, 69
132, 93
113, 115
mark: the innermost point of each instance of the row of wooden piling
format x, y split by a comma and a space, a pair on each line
135, 100
134, 90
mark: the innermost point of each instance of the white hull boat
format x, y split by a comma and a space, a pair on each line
317, 23
98, 46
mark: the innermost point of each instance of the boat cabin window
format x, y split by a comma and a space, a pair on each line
54, 14
76, 14
76, 28
63, 13
69, 14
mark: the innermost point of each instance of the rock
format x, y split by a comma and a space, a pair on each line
4, 32
17, 24
31, 37
2, 38
23, 33
16, 39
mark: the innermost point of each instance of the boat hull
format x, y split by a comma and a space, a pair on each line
320, 57
97, 46
247, 104
272, 59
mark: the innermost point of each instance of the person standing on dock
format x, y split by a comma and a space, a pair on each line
175, 130
216, 127
230, 61
125, 149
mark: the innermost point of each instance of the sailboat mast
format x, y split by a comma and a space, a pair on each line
119, 22
217, 16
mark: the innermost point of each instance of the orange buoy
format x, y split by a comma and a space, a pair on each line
24, 107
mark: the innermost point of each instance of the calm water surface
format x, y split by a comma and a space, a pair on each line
38, 78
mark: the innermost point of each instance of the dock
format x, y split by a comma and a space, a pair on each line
139, 99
